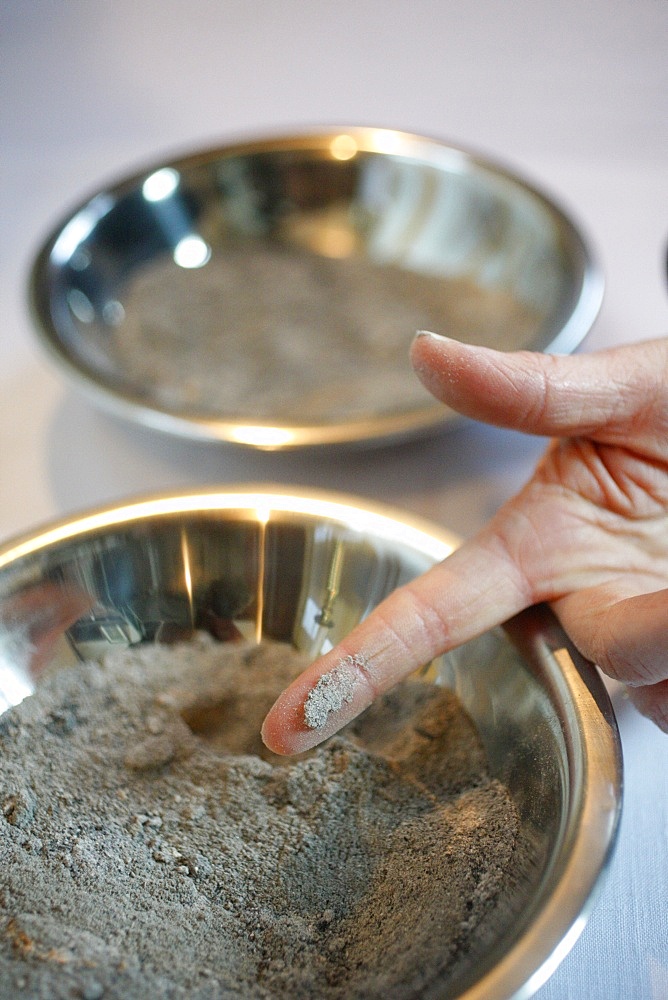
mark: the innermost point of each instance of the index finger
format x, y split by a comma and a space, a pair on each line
616, 395
475, 588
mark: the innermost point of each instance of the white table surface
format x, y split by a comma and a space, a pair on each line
573, 93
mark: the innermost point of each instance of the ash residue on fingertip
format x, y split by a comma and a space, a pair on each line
333, 690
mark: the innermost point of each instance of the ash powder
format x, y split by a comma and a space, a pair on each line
333, 690
338, 330
150, 846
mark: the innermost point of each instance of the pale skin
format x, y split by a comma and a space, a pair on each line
588, 533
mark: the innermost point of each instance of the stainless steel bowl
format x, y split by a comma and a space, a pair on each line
266, 293
141, 572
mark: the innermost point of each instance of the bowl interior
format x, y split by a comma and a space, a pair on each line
267, 293
304, 570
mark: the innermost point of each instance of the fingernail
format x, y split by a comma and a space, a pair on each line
433, 336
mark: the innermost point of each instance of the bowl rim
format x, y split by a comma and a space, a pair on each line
590, 733
258, 500
270, 435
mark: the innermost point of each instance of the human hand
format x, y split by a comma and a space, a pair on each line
588, 533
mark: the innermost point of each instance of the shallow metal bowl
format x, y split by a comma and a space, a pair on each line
146, 572
266, 293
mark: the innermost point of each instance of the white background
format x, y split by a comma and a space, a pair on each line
573, 93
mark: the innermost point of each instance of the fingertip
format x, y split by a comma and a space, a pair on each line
436, 352
285, 733
423, 343
284, 730
278, 731
319, 703
443, 366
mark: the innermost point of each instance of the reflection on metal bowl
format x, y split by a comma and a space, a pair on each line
266, 293
304, 569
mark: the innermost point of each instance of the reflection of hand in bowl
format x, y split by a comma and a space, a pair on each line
32, 622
